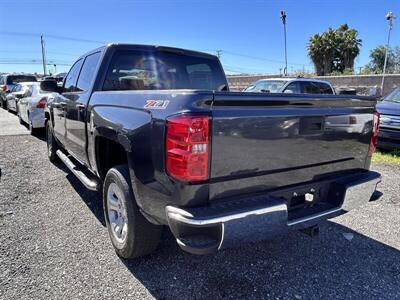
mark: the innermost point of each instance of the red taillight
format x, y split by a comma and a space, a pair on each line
374, 137
5, 88
41, 103
187, 147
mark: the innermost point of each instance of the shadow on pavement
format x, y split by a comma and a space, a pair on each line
93, 200
40, 134
294, 266
339, 263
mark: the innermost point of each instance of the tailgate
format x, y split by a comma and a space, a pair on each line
261, 142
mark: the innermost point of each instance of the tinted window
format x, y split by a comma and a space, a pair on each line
145, 70
393, 96
293, 88
87, 73
14, 79
310, 87
324, 88
70, 81
269, 86
17, 88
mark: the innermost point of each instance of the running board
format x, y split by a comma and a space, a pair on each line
90, 184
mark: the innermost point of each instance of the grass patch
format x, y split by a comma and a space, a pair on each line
386, 158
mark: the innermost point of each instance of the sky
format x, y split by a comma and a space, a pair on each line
248, 33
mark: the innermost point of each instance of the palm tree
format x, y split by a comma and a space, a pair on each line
316, 53
335, 49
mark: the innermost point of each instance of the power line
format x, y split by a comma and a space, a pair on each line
52, 36
32, 63
7, 59
254, 57
36, 51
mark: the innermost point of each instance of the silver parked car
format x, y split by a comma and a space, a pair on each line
291, 85
8, 83
31, 107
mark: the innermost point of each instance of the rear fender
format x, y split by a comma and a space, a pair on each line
128, 127
132, 129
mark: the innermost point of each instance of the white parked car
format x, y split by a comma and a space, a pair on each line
30, 108
291, 85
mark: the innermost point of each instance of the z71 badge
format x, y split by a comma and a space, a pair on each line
156, 104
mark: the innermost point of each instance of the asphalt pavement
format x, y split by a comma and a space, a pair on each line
54, 245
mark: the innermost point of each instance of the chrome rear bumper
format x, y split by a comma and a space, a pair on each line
204, 230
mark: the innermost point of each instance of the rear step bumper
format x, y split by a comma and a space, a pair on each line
204, 230
90, 183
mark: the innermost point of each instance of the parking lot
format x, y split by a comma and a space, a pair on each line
54, 244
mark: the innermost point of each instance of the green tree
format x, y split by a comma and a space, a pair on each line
334, 50
377, 60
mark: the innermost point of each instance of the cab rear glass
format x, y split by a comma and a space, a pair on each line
163, 70
15, 79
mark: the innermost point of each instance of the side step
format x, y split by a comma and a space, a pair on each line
90, 184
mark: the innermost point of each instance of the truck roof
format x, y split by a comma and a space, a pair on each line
149, 48
293, 78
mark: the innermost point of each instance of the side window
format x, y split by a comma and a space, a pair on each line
293, 88
325, 88
17, 88
70, 81
310, 87
260, 86
29, 91
88, 71
200, 75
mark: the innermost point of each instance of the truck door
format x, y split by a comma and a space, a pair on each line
76, 108
60, 102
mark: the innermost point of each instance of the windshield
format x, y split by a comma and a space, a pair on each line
266, 86
393, 96
148, 70
14, 79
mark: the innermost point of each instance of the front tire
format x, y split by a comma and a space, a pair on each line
131, 234
52, 145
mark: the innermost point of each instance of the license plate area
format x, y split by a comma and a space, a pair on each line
309, 199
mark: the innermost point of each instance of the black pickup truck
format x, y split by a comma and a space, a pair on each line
157, 130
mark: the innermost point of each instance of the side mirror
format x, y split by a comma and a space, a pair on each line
50, 86
19, 95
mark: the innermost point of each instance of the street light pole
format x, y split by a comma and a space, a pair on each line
43, 56
389, 17
283, 18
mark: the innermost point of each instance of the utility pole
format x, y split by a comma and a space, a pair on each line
219, 53
43, 56
390, 18
283, 17
55, 69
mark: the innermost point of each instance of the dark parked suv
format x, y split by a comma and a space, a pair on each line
389, 132
7, 83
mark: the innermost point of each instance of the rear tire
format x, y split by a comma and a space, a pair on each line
20, 119
131, 234
52, 145
32, 130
